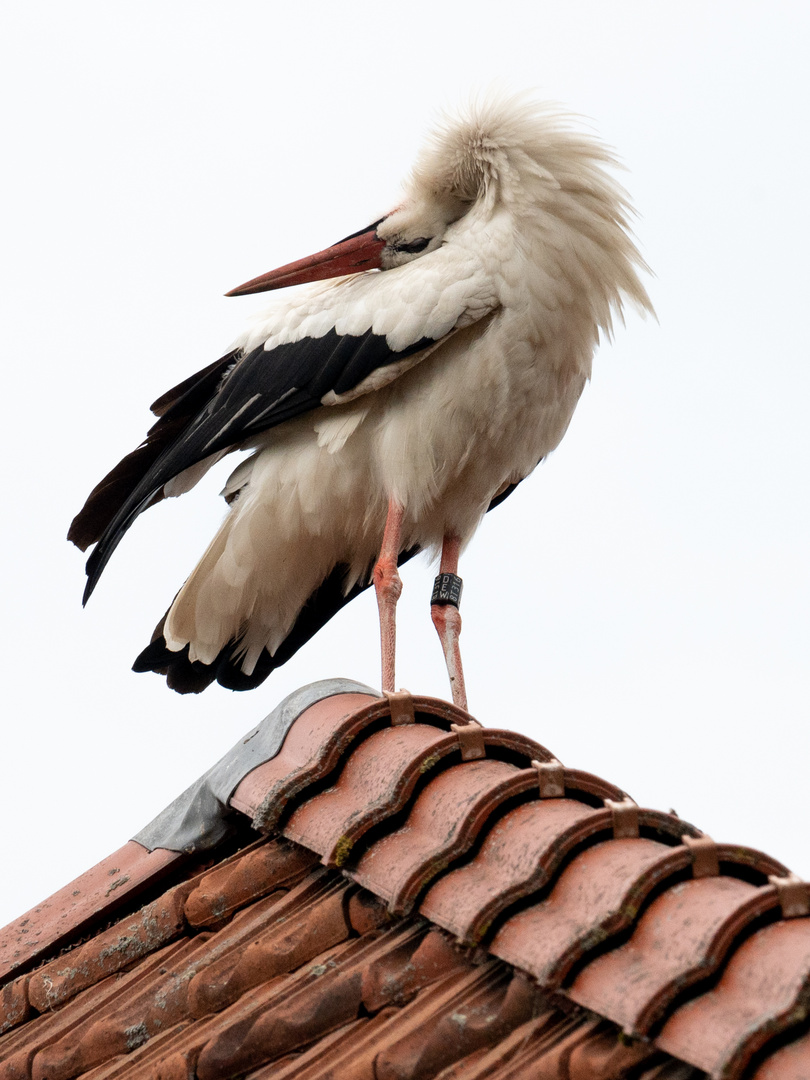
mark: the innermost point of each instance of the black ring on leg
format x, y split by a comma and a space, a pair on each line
447, 590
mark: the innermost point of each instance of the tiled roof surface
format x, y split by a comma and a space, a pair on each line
429, 899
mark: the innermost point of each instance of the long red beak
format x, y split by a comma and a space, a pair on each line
362, 251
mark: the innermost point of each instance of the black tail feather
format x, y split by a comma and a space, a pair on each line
191, 677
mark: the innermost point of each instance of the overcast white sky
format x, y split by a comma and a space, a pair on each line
162, 153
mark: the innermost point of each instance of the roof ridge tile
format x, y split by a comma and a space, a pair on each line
443, 823
763, 990
789, 1062
366, 792
596, 895
681, 939
523, 852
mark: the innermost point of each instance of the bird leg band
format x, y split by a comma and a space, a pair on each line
447, 590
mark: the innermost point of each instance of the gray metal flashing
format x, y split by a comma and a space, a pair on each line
197, 819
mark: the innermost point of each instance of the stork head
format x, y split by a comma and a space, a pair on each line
511, 157
407, 233
434, 200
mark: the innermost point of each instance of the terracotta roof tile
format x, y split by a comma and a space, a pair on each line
463, 1014
374, 784
243, 879
147, 930
790, 1062
597, 895
763, 991
518, 857
681, 939
442, 824
96, 893
321, 998
155, 1002
483, 912
303, 924
15, 1007
602, 1057
20, 1047
508, 1056
399, 975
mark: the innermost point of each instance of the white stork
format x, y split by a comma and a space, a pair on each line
389, 409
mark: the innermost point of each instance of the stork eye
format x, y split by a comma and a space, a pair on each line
415, 246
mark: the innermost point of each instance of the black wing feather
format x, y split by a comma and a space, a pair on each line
218, 409
176, 409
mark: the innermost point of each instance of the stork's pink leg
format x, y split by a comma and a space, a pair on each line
388, 586
447, 618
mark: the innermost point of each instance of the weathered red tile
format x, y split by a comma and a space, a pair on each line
791, 1062
15, 1007
162, 1000
170, 1054
262, 1027
497, 1062
100, 890
764, 990
154, 926
422, 959
325, 733
596, 895
680, 939
733, 855
317, 740
442, 824
413, 1041
606, 1057
242, 880
368, 912
376, 781
20, 1046
146, 1060
491, 1007
519, 855
329, 1058
380, 776
155, 1002
546, 1053
303, 930
294, 985
670, 1069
